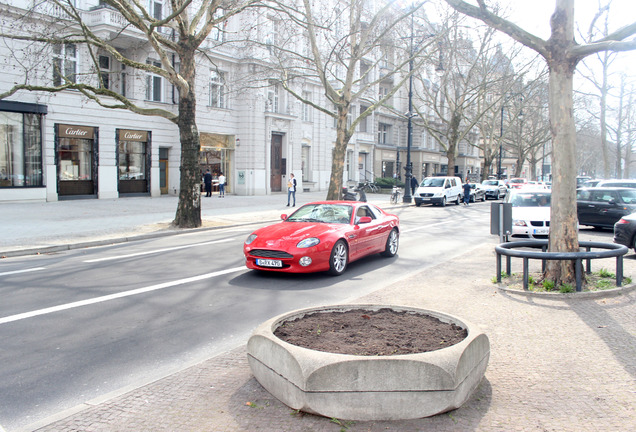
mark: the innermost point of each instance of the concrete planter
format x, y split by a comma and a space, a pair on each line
355, 387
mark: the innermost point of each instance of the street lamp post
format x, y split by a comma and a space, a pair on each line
409, 130
499, 173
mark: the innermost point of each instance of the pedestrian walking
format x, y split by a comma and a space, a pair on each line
291, 190
207, 181
414, 185
467, 188
221, 185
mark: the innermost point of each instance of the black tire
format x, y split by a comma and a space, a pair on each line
634, 243
483, 198
338, 258
417, 203
458, 200
443, 203
392, 244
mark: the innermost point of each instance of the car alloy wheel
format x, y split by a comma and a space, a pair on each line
392, 243
338, 258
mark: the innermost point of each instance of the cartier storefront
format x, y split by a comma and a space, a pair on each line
133, 161
76, 158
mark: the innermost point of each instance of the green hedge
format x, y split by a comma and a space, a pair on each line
388, 182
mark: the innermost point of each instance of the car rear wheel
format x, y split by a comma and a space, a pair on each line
338, 258
458, 200
392, 243
634, 243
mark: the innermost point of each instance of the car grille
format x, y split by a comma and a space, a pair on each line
266, 253
426, 195
539, 223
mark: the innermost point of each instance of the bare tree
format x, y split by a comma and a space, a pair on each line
350, 51
179, 35
562, 54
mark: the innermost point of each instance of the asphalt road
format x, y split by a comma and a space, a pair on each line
79, 325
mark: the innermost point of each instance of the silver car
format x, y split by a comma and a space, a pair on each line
495, 189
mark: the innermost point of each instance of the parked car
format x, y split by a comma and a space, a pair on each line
589, 183
602, 207
625, 231
530, 212
516, 183
617, 183
494, 189
439, 190
323, 236
477, 192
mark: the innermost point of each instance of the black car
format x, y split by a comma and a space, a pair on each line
477, 192
602, 207
625, 231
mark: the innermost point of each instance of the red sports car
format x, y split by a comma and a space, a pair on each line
323, 236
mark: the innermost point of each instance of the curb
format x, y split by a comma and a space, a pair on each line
560, 296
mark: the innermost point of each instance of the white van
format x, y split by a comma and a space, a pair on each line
439, 190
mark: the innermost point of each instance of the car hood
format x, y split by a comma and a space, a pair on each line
284, 233
531, 213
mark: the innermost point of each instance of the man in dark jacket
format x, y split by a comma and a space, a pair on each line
207, 181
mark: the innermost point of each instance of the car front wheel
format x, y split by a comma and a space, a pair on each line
392, 243
338, 258
443, 203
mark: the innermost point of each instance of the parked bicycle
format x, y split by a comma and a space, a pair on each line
369, 186
396, 194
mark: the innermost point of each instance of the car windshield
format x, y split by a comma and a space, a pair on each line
628, 196
432, 182
322, 213
530, 199
490, 182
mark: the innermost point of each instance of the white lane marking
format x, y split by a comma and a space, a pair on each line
158, 251
109, 297
23, 271
426, 226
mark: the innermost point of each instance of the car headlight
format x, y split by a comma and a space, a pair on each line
251, 238
519, 222
308, 242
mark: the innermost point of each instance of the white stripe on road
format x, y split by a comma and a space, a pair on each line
117, 296
22, 271
427, 226
158, 251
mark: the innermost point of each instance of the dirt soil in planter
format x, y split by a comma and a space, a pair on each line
361, 332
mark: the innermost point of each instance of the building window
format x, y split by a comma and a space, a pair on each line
20, 149
384, 133
124, 80
154, 84
307, 112
104, 71
155, 7
217, 89
132, 160
306, 158
273, 97
64, 64
363, 125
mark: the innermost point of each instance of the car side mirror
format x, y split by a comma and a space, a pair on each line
612, 202
364, 220
283, 217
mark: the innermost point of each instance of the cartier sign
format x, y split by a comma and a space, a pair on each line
69, 131
133, 135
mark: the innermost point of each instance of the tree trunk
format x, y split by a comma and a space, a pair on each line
338, 155
189, 207
563, 216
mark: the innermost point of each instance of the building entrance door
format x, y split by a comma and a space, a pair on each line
276, 164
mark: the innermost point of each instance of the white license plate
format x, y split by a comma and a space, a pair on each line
541, 230
269, 263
